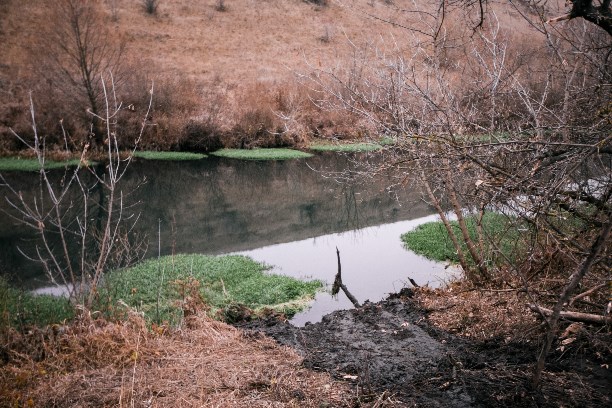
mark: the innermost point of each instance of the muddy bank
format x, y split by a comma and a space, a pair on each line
389, 347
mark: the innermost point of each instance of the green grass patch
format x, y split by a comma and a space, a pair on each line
345, 147
175, 156
387, 141
432, 241
261, 154
31, 164
20, 309
157, 287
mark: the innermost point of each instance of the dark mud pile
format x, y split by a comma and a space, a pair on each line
390, 348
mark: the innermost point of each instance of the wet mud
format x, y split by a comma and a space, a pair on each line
390, 348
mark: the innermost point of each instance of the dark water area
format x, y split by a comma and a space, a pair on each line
215, 206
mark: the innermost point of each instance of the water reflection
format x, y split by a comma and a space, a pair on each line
374, 264
217, 206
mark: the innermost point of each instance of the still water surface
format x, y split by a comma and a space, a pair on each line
290, 214
374, 264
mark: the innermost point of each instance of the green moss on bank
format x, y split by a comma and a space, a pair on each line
261, 154
175, 156
162, 288
345, 147
432, 241
32, 164
159, 288
21, 309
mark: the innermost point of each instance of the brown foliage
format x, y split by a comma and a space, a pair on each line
97, 363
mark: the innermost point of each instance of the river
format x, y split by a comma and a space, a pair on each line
289, 214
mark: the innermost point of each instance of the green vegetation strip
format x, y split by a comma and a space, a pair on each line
261, 154
158, 288
21, 309
32, 164
345, 147
176, 156
432, 241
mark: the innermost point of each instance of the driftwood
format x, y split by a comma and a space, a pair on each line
573, 316
339, 285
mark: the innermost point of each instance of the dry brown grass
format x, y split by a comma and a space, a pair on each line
501, 311
94, 363
219, 75
253, 45
479, 313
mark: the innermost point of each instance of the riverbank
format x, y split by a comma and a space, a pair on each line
26, 161
401, 353
165, 290
384, 354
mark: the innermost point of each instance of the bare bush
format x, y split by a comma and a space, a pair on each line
327, 35
84, 220
547, 165
114, 9
200, 136
321, 3
175, 104
73, 50
220, 5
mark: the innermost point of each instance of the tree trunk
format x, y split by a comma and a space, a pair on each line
449, 228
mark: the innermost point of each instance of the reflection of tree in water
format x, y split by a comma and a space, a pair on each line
308, 213
350, 215
221, 205
84, 216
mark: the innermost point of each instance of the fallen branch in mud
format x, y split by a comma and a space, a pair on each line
573, 316
339, 285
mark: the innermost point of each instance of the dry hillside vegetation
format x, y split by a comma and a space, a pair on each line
240, 77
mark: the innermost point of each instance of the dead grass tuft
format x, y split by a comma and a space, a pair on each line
479, 313
97, 363
500, 313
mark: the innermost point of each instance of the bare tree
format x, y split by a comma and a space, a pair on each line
597, 12
84, 219
74, 51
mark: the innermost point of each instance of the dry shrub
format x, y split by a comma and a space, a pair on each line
203, 131
186, 117
220, 5
174, 102
150, 6
97, 363
200, 136
287, 115
337, 125
320, 3
502, 312
257, 122
12, 116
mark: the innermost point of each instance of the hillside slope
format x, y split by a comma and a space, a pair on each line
242, 70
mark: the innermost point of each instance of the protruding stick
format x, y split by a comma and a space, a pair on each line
339, 285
